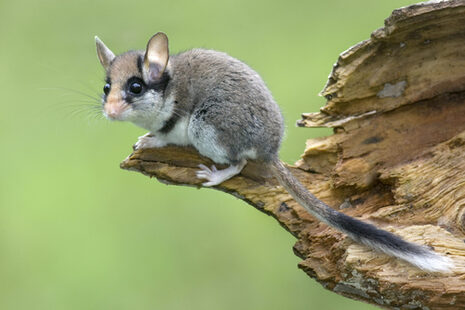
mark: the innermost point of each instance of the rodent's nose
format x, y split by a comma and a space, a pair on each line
114, 109
112, 113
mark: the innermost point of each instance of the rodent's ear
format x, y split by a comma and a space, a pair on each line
156, 57
104, 54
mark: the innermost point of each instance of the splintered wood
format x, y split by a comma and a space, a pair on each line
396, 159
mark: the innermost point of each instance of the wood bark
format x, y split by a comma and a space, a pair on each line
396, 159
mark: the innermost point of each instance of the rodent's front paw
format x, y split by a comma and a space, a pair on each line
148, 141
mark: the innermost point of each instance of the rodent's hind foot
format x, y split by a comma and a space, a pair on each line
215, 176
148, 141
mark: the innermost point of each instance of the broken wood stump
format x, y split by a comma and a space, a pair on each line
396, 159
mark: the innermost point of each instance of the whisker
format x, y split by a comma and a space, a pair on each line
75, 91
76, 108
69, 77
71, 104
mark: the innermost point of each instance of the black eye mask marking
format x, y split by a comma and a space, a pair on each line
160, 85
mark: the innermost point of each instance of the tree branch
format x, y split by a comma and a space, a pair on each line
396, 159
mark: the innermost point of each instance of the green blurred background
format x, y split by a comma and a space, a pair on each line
76, 232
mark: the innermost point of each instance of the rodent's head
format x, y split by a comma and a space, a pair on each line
135, 81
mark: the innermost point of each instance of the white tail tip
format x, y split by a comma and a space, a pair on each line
429, 261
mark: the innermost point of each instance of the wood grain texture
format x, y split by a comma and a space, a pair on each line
396, 159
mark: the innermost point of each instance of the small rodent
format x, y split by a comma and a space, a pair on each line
220, 106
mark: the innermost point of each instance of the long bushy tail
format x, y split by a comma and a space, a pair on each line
364, 233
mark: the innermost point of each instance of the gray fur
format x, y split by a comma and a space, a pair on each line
367, 234
229, 104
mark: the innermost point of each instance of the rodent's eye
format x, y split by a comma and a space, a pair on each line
135, 88
106, 88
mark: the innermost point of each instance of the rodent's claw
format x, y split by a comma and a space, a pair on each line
212, 174
209, 184
148, 141
203, 167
